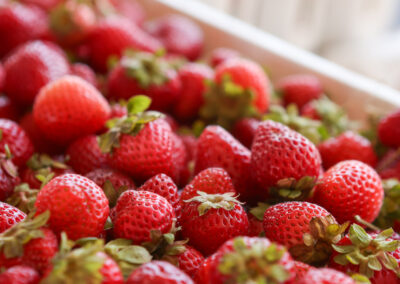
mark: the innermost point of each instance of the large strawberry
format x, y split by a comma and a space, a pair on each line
293, 161
389, 130
69, 108
20, 274
9, 216
326, 276
77, 205
348, 189
208, 220
32, 66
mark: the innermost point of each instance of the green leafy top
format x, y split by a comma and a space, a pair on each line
290, 189
6, 162
41, 161
226, 201
390, 211
23, 198
259, 210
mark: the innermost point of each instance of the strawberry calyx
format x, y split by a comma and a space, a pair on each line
131, 124
255, 264
390, 211
225, 201
259, 210
23, 198
113, 193
6, 162
290, 189
226, 102
360, 279
12, 241
44, 161
317, 243
370, 254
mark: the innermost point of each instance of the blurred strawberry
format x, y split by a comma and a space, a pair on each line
9, 216
389, 129
244, 130
222, 54
20, 274
8, 109
131, 10
85, 72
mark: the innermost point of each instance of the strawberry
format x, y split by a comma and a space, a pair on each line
145, 73
29, 243
72, 197
301, 269
137, 213
43, 4
208, 220
193, 78
241, 89
2, 76
222, 54
190, 261
326, 276
69, 108
382, 252
16, 139
32, 66
244, 130
9, 216
389, 165
389, 130
85, 72
158, 272
19, 24
251, 260
299, 89
131, 10
202, 275
309, 110
112, 36
389, 213
181, 160
293, 161
8, 175
8, 109
348, 189
255, 226
20, 274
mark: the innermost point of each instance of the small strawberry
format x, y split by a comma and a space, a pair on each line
145, 73
326, 276
389, 165
208, 220
8, 109
32, 66
293, 161
72, 197
85, 72
221, 55
301, 269
20, 274
389, 130
181, 160
9, 216
348, 189
158, 272
309, 110
202, 275
190, 261
299, 89
244, 130
193, 78
69, 108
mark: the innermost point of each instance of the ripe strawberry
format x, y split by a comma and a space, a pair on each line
193, 77
112, 36
222, 54
190, 143
299, 89
19, 24
70, 198
131, 10
2, 76
241, 89
389, 130
293, 161
9, 216
255, 226
251, 260
348, 189
17, 141
190, 261
85, 72
118, 110
8, 109
309, 110
181, 160
208, 220
20, 274
158, 272
8, 175
301, 269
389, 165
203, 273
32, 66
389, 213
145, 73
69, 108
244, 130
326, 276
137, 213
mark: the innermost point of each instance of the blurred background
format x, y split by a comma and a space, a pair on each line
363, 35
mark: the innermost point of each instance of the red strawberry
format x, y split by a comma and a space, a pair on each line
293, 161
85, 72
112, 36
389, 130
208, 220
2, 76
158, 272
181, 160
222, 54
203, 274
8, 176
299, 89
190, 261
32, 66
110, 270
255, 226
347, 146
193, 77
326, 276
388, 215
70, 198
247, 260
309, 110
244, 130
131, 10
139, 212
145, 73
17, 141
20, 274
8, 109
69, 108
43, 4
190, 143
19, 24
301, 269
389, 165
118, 110
9, 216
180, 35
348, 189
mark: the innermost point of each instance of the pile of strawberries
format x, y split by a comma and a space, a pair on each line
123, 159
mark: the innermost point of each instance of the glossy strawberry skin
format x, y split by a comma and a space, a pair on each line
117, 179
158, 272
348, 189
244, 130
20, 274
8, 109
69, 108
32, 66
299, 89
286, 223
139, 212
110, 271
72, 196
326, 276
255, 226
190, 261
389, 130
85, 72
222, 54
28, 175
9, 216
